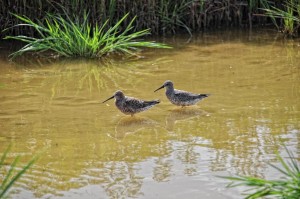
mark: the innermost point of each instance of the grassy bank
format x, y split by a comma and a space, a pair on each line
93, 28
161, 16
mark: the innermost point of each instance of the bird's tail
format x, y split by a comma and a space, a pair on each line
204, 95
153, 102
156, 101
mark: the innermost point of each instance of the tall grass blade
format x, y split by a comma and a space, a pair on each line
6, 188
4, 156
74, 37
9, 179
288, 187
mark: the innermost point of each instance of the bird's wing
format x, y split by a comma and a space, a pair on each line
132, 103
151, 102
185, 96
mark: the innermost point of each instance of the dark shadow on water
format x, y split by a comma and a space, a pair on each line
35, 62
179, 42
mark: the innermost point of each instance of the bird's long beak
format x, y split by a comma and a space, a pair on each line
108, 99
159, 88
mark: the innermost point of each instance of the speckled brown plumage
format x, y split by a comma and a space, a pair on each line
131, 105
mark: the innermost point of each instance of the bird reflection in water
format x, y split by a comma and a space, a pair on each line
131, 125
179, 114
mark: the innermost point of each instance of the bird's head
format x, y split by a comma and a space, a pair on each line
167, 84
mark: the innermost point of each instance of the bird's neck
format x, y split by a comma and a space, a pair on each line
170, 90
119, 101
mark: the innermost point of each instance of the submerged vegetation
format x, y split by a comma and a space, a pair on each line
12, 174
286, 188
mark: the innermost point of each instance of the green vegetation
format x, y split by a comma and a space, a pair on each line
172, 15
73, 37
9, 178
114, 26
286, 188
290, 15
161, 16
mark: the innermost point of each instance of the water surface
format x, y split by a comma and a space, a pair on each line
91, 150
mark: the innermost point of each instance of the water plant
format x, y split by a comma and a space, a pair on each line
256, 5
75, 37
161, 16
287, 188
172, 15
10, 177
290, 15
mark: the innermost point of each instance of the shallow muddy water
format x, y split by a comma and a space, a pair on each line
92, 150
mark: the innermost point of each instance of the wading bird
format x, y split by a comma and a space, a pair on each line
130, 105
179, 97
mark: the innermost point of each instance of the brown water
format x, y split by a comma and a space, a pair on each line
91, 150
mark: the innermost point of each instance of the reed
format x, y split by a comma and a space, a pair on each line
288, 187
11, 176
290, 15
173, 15
161, 16
70, 37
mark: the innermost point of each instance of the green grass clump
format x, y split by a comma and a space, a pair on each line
72, 38
290, 16
11, 176
286, 188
